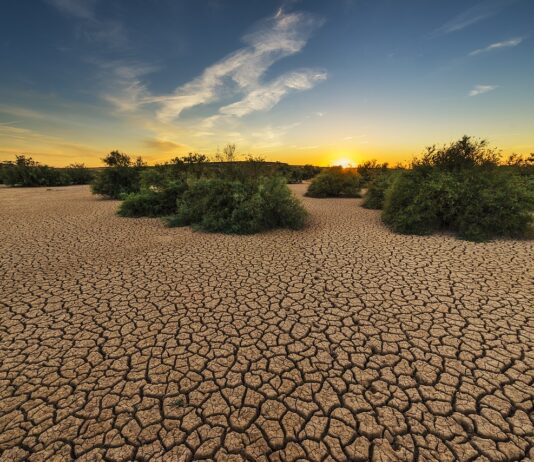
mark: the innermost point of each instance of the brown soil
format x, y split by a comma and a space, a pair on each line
123, 340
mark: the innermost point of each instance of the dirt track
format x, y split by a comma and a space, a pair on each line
123, 340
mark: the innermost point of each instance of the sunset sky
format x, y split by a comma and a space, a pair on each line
295, 81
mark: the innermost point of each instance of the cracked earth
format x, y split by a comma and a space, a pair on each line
123, 340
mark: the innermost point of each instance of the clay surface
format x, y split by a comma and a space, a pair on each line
123, 340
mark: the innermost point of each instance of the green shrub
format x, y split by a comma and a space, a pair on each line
153, 202
419, 203
335, 182
460, 188
79, 174
279, 207
27, 172
375, 195
370, 169
120, 177
114, 182
295, 174
491, 204
237, 207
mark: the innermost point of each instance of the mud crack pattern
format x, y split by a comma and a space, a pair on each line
122, 340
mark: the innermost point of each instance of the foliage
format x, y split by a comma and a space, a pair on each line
237, 207
27, 172
122, 176
491, 204
369, 169
117, 159
335, 182
79, 174
419, 202
376, 190
153, 202
466, 153
295, 174
461, 188
228, 154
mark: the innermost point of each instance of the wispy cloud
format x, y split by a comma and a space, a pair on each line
163, 145
127, 89
498, 45
481, 89
108, 31
271, 40
267, 96
20, 139
82, 9
476, 13
237, 75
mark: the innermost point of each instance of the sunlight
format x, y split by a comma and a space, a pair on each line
343, 163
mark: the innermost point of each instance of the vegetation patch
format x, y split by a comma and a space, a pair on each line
25, 171
371, 169
461, 188
153, 202
121, 177
335, 182
376, 189
223, 196
237, 207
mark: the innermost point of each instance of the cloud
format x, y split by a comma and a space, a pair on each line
163, 145
82, 9
234, 86
498, 45
476, 13
18, 140
481, 89
127, 88
238, 74
267, 96
91, 28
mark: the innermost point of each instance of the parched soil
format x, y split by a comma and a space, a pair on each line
123, 340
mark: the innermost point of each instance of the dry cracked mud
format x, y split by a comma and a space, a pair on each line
123, 340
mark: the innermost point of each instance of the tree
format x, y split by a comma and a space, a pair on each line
117, 159
229, 153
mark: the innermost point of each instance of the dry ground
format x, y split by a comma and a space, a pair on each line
121, 339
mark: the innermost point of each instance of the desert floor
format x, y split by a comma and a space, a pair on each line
123, 340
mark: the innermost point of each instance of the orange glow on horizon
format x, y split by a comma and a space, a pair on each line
343, 163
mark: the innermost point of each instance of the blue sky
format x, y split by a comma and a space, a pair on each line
297, 81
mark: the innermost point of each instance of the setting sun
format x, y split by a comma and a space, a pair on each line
344, 163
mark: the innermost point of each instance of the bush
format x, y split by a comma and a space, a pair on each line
279, 207
493, 204
79, 174
375, 195
418, 203
120, 177
27, 172
460, 188
153, 202
295, 174
237, 207
370, 169
115, 182
335, 182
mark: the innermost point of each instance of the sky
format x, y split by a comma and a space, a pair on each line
307, 81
